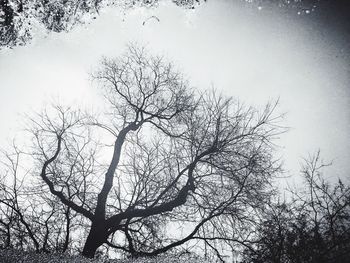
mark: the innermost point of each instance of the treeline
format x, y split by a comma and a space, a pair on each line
313, 226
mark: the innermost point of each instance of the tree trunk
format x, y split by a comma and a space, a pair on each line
97, 236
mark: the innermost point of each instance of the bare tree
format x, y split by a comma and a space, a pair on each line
14, 210
186, 167
28, 214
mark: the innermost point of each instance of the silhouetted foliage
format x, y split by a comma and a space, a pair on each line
20, 19
313, 227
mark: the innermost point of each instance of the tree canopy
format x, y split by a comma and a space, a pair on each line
19, 18
198, 162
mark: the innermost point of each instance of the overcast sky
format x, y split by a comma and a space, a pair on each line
246, 53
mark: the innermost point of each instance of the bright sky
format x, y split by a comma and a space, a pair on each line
253, 55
